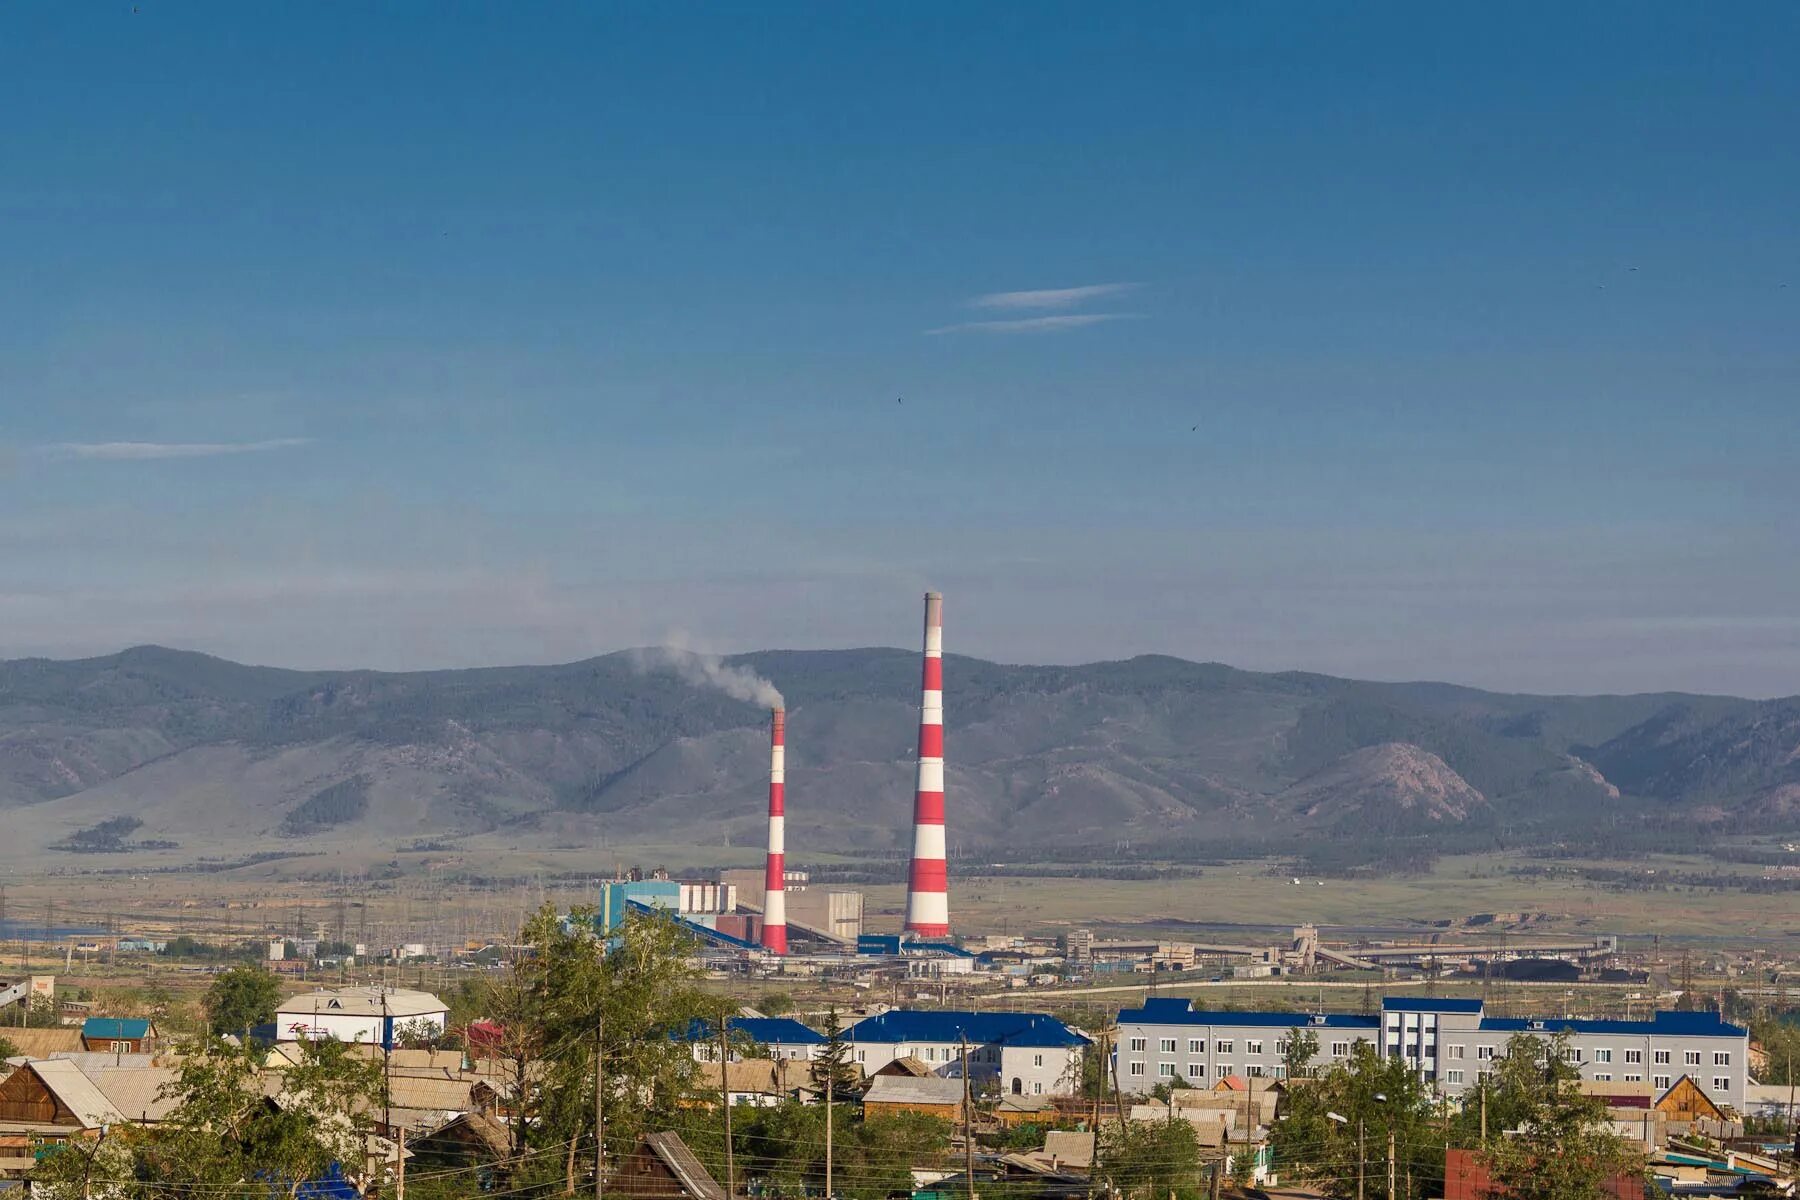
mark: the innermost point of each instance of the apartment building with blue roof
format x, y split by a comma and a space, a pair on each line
1022, 1054
1452, 1043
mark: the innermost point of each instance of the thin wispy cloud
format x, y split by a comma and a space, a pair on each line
1056, 324
1051, 298
147, 451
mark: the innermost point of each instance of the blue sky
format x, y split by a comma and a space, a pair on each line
1448, 341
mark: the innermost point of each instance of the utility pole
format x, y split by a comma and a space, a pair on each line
1361, 1158
1390, 1192
968, 1124
599, 1108
725, 1095
830, 1100
400, 1168
1481, 1087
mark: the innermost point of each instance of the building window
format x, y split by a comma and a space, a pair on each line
1196, 1071
1221, 1047
1412, 1049
1224, 1070
862, 1056
1662, 1058
1137, 1068
1453, 1075
1037, 1087
1165, 1070
1484, 1053
1195, 1045
1721, 1083
1661, 1083
1454, 1051
1253, 1047
1721, 1058
1603, 1076
1571, 1054
1693, 1058
1634, 1056
1037, 1060
1168, 1045
1137, 1044
1281, 1048
1603, 1054
1279, 1071
1254, 1070
1340, 1049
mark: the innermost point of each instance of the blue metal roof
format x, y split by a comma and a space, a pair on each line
982, 1028
1425, 1004
1166, 1010
770, 1031
115, 1028
1667, 1024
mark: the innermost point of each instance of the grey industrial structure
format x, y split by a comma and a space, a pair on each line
1451, 1042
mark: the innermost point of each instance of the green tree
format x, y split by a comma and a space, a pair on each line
241, 998
1150, 1158
1560, 1145
228, 1127
832, 1063
637, 995
1372, 1096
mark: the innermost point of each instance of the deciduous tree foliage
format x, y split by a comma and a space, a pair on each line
241, 998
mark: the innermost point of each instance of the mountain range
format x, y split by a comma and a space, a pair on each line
154, 748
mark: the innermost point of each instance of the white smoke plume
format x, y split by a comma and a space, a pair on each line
707, 671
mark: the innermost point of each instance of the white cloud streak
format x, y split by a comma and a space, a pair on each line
1057, 324
150, 451
1050, 298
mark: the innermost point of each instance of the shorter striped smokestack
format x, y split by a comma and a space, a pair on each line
774, 929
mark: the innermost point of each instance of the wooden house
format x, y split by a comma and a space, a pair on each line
661, 1167
117, 1035
46, 1104
1687, 1101
902, 1093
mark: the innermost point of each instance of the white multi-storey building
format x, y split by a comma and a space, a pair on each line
1025, 1054
1452, 1043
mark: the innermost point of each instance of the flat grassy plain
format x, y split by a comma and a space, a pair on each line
477, 892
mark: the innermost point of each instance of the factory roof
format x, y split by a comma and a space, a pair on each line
981, 1028
1665, 1023
1428, 1004
1170, 1010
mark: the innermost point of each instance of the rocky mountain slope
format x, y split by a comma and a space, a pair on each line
1197, 758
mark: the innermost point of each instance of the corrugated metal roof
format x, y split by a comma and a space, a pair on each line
1668, 1024
137, 1091
361, 1002
681, 1162
76, 1092
1427, 1004
115, 1028
1182, 1012
978, 1028
906, 1089
772, 1031
42, 1043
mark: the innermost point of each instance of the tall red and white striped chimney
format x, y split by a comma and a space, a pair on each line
774, 928
928, 882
